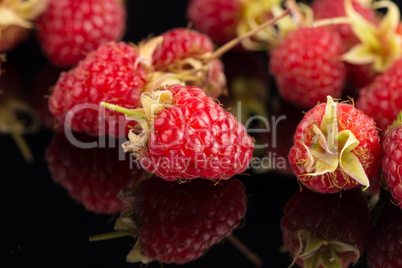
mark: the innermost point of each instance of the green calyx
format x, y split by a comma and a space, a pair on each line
379, 44
330, 149
318, 252
152, 104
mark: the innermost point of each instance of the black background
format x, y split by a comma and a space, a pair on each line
42, 225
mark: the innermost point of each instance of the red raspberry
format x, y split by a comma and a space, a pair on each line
307, 67
179, 44
17, 19
379, 44
69, 29
326, 230
110, 74
324, 9
181, 50
177, 223
224, 20
336, 146
392, 159
384, 248
382, 99
186, 135
92, 176
216, 18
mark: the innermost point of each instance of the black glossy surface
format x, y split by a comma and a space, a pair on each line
42, 225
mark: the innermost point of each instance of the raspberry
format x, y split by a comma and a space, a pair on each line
218, 19
92, 176
392, 159
178, 44
324, 9
307, 67
336, 146
186, 135
382, 99
384, 248
69, 29
379, 44
17, 19
181, 51
325, 230
110, 74
224, 20
177, 223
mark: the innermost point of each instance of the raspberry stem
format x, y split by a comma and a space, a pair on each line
106, 236
229, 45
22, 145
120, 109
246, 251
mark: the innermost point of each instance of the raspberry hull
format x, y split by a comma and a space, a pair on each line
354, 127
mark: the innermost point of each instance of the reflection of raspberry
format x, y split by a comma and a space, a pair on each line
93, 177
187, 135
177, 223
106, 74
326, 228
385, 248
69, 29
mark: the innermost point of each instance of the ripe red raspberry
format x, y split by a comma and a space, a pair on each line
326, 230
181, 51
179, 44
336, 146
92, 176
216, 18
109, 74
306, 66
384, 248
224, 20
177, 223
392, 159
187, 135
379, 44
382, 99
16, 20
324, 9
69, 29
